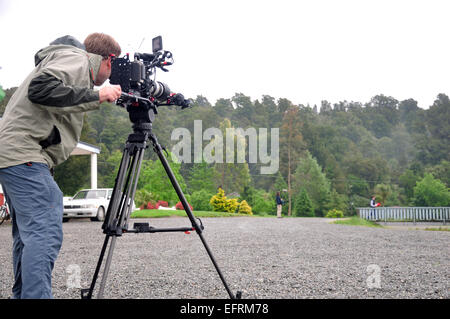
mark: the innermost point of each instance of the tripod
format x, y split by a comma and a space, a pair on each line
120, 206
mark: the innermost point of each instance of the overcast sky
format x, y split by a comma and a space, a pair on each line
305, 51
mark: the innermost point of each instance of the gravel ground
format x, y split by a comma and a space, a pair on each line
263, 257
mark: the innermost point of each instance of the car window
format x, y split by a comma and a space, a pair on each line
90, 194
80, 195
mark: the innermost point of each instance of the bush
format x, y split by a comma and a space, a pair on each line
152, 205
200, 200
219, 201
334, 213
263, 202
162, 203
431, 192
231, 205
142, 197
180, 206
244, 208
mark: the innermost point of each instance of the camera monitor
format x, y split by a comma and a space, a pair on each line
157, 44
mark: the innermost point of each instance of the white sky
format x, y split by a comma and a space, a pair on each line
305, 51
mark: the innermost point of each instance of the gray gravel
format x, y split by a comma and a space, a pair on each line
263, 257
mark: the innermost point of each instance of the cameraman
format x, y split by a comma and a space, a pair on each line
40, 127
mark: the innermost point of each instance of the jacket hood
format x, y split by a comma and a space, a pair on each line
66, 41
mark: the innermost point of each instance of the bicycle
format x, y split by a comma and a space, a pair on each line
4, 213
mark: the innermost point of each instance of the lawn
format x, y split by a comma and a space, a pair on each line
158, 213
356, 221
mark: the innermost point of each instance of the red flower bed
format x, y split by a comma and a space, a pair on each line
162, 203
179, 206
152, 206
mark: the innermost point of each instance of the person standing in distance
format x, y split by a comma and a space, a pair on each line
41, 126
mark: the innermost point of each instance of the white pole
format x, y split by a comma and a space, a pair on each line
93, 170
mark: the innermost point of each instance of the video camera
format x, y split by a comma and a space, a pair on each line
142, 95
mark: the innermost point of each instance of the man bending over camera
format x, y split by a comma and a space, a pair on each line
40, 128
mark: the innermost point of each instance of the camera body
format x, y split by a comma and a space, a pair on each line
142, 94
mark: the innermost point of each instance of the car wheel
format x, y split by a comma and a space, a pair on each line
100, 214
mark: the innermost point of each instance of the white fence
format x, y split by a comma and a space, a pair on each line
414, 214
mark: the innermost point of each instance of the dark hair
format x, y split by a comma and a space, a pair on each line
102, 44
278, 193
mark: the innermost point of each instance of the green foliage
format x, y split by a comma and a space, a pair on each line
343, 152
356, 221
200, 200
431, 192
143, 197
309, 176
154, 178
382, 192
264, 203
303, 205
334, 213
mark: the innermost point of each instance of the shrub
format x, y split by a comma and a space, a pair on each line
152, 205
180, 206
142, 197
162, 203
244, 208
431, 192
219, 201
200, 200
334, 213
231, 205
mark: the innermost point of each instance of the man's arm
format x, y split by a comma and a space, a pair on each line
46, 89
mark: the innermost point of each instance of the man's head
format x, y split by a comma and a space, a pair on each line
105, 46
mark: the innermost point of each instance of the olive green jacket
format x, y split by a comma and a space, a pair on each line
43, 120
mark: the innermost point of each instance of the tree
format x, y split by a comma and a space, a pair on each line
309, 176
303, 205
291, 140
383, 191
231, 176
154, 178
201, 177
431, 192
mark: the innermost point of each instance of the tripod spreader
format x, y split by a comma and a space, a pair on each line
146, 228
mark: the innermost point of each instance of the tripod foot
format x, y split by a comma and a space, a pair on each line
85, 293
239, 295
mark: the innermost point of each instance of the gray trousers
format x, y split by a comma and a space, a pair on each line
36, 207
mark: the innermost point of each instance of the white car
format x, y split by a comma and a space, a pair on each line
91, 203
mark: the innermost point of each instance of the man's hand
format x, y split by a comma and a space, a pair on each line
109, 93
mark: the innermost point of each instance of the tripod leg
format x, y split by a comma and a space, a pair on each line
118, 211
106, 269
87, 293
183, 200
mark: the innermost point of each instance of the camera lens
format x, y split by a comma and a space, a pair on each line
160, 90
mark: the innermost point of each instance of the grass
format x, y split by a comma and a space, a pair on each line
158, 213
438, 228
356, 221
